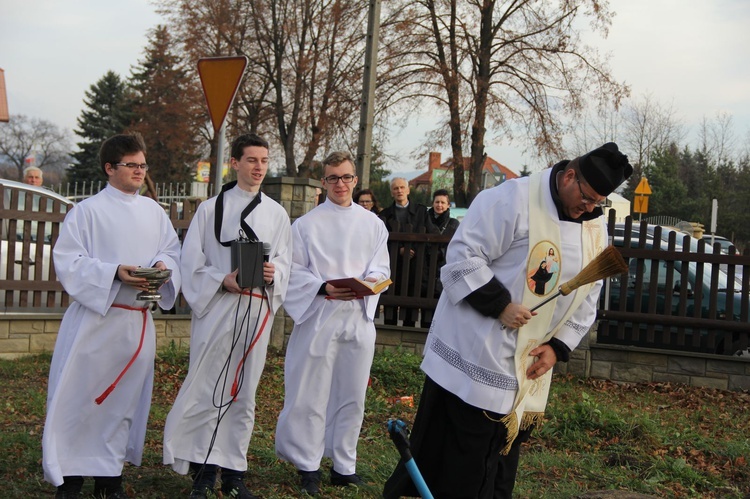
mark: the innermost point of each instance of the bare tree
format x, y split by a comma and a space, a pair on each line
23, 137
590, 130
717, 138
649, 127
641, 127
209, 28
312, 53
303, 83
502, 65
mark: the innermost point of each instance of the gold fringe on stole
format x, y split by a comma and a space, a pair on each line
531, 418
511, 423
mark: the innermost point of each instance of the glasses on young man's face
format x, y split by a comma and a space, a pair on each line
587, 200
334, 179
133, 166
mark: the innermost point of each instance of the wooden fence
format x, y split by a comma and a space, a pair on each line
29, 225
676, 295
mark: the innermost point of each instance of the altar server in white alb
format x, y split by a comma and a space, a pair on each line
211, 422
488, 358
101, 376
332, 344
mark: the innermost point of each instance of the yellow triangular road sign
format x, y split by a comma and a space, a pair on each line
643, 187
220, 77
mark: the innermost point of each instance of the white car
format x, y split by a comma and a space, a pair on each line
724, 243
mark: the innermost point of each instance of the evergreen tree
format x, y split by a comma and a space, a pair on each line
379, 184
106, 113
378, 171
697, 176
669, 192
165, 101
734, 203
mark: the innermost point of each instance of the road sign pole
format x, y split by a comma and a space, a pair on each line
219, 174
714, 214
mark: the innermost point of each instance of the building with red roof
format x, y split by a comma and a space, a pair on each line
440, 175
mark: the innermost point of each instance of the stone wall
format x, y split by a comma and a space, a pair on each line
27, 334
30, 334
648, 365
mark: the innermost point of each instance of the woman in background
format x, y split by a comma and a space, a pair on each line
366, 199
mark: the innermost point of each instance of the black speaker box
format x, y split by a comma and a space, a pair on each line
248, 258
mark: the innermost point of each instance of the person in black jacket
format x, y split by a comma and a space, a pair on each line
439, 221
403, 216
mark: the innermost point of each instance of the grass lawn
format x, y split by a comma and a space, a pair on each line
660, 439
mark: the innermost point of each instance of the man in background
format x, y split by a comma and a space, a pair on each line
33, 175
403, 216
439, 221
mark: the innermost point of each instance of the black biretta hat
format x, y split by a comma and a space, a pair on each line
605, 168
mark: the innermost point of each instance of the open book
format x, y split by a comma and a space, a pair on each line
360, 287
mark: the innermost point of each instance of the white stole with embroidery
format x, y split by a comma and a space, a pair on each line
544, 263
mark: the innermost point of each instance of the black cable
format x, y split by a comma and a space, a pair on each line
244, 323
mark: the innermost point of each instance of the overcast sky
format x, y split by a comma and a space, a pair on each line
693, 54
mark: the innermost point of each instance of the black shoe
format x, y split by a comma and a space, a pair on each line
71, 488
236, 489
310, 481
62, 494
109, 487
115, 494
202, 492
344, 480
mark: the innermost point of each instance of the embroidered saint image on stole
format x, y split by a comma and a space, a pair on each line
543, 268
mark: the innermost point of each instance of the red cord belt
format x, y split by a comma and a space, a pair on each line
101, 398
106, 392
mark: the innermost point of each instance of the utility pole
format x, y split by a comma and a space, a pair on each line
364, 144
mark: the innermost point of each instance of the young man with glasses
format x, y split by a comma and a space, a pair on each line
209, 427
101, 375
489, 358
330, 351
